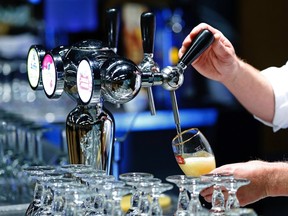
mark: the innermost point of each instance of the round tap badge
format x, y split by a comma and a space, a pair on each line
48, 75
84, 81
33, 68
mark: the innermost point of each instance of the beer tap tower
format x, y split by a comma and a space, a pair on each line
91, 72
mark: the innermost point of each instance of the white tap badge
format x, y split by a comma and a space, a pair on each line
33, 68
84, 81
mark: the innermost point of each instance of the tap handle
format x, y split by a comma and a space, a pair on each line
148, 31
113, 21
203, 40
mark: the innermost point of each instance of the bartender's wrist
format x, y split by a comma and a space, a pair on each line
232, 78
277, 176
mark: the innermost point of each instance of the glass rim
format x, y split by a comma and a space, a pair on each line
184, 132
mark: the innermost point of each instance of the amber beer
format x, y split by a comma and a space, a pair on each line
196, 164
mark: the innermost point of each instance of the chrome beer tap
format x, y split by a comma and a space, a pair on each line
91, 72
170, 77
89, 126
173, 75
148, 65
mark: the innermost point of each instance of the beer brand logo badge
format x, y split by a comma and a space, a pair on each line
180, 159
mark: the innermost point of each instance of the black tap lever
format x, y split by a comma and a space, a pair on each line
148, 31
148, 65
203, 40
113, 22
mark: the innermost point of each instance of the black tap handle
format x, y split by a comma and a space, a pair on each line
203, 40
113, 21
148, 31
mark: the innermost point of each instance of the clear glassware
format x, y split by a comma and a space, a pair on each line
193, 153
33, 175
107, 190
95, 205
58, 202
241, 212
135, 198
72, 169
117, 193
195, 186
218, 199
86, 174
47, 195
156, 190
232, 185
143, 186
183, 197
75, 199
34, 148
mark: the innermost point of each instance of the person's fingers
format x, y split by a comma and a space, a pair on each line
207, 191
194, 32
208, 198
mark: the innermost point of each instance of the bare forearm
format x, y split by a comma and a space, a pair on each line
277, 174
253, 91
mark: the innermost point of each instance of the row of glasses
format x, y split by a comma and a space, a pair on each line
195, 157
146, 192
189, 204
84, 190
21, 145
75, 189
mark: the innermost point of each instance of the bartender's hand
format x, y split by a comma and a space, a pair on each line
219, 62
266, 179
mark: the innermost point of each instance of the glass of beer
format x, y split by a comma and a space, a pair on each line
193, 153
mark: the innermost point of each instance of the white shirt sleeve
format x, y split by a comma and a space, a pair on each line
278, 77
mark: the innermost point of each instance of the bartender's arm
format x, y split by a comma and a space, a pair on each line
267, 179
220, 63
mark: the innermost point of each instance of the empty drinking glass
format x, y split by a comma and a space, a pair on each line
232, 185
183, 197
155, 192
218, 200
195, 186
135, 198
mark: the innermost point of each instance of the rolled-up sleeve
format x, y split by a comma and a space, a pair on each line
278, 77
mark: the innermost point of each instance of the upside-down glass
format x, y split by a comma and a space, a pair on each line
195, 186
155, 192
109, 193
94, 183
75, 199
183, 198
144, 186
218, 200
135, 198
193, 153
47, 195
232, 185
32, 177
117, 194
59, 199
